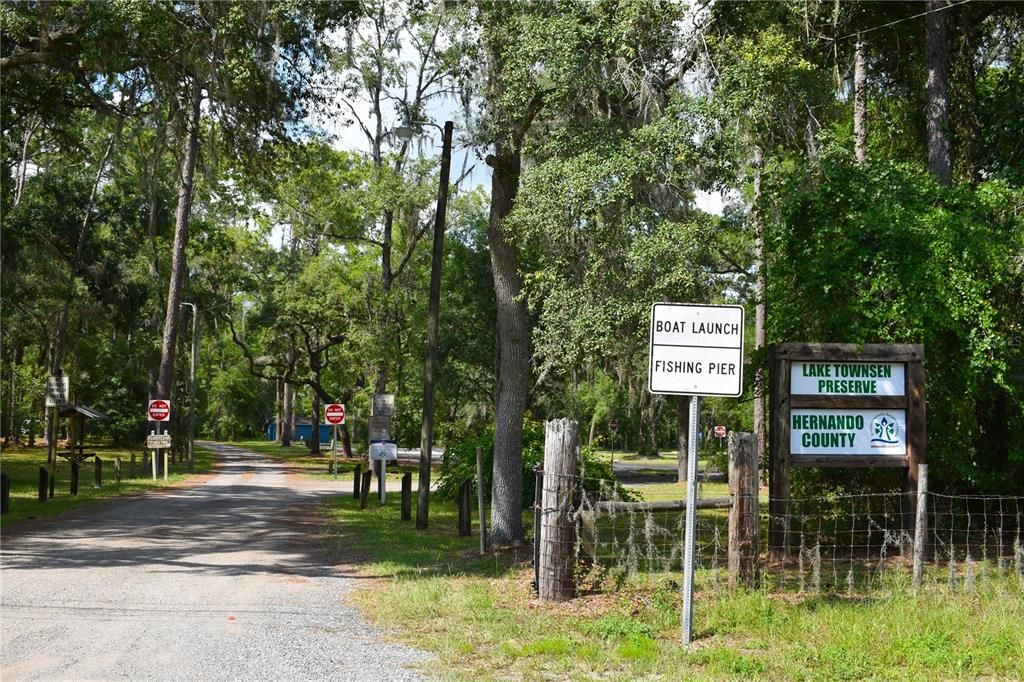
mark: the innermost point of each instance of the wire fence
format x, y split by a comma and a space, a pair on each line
831, 544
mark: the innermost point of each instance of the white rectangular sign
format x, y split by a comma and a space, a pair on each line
156, 441
847, 378
57, 389
821, 431
696, 349
383, 405
386, 450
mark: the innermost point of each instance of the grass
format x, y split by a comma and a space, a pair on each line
479, 616
22, 465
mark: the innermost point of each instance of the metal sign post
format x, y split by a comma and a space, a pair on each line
334, 451
691, 522
696, 350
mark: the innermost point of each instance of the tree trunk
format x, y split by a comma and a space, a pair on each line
314, 434
860, 102
287, 433
937, 90
682, 437
433, 316
761, 306
513, 353
964, 94
181, 220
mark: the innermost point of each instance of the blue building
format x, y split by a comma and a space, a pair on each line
303, 431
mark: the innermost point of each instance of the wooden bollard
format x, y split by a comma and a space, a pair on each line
465, 492
744, 546
53, 480
5, 493
117, 468
74, 478
407, 496
44, 483
357, 475
364, 491
97, 467
131, 467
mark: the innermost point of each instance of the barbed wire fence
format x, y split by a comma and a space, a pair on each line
833, 544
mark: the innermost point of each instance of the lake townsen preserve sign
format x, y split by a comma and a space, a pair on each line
843, 405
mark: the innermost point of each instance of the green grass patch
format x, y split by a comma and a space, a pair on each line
22, 465
480, 617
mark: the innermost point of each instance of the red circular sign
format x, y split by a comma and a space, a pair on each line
334, 413
720, 431
159, 410
613, 425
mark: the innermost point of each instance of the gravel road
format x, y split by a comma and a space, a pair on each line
220, 581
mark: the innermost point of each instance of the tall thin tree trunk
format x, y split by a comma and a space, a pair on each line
287, 422
937, 89
761, 306
314, 434
172, 315
860, 102
514, 354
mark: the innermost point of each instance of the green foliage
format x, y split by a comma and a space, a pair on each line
460, 465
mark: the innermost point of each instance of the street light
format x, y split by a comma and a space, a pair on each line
404, 133
192, 386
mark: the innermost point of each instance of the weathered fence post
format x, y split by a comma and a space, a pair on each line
357, 474
364, 489
97, 472
131, 467
538, 480
407, 496
74, 477
44, 483
167, 465
557, 531
744, 546
480, 500
921, 525
53, 479
465, 520
5, 493
117, 468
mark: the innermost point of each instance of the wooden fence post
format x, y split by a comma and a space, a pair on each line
74, 477
5, 493
480, 500
44, 483
131, 467
921, 526
557, 541
744, 546
465, 521
407, 496
117, 468
97, 472
357, 474
364, 490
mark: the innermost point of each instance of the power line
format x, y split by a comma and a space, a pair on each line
899, 21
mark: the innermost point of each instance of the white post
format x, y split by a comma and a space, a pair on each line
921, 525
691, 523
383, 481
167, 464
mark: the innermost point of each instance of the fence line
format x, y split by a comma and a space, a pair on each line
841, 544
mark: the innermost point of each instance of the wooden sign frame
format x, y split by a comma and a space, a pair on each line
781, 461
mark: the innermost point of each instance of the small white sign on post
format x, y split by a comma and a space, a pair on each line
57, 389
383, 405
696, 350
383, 451
157, 441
